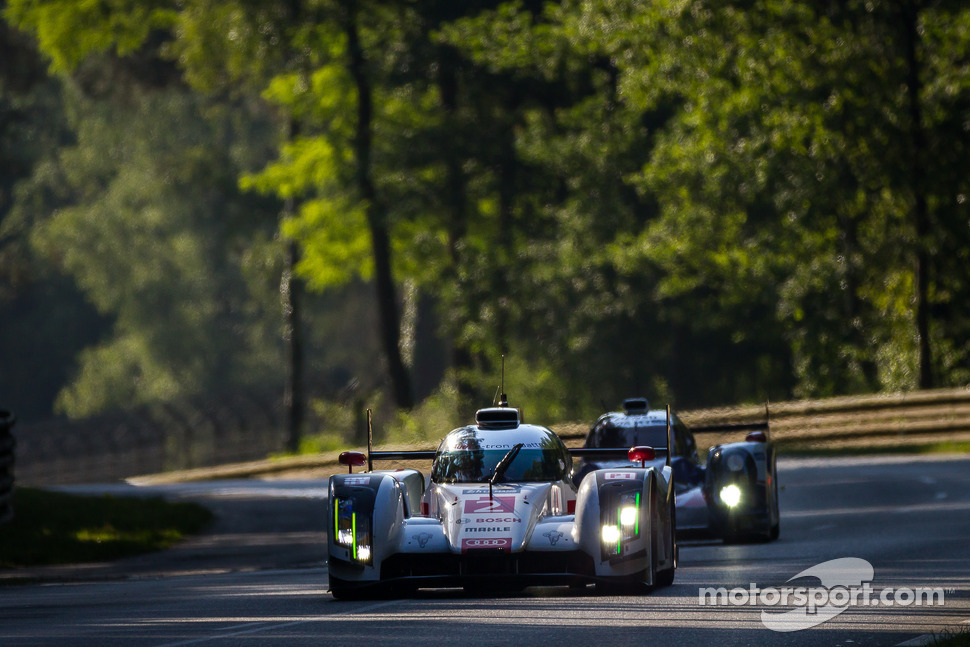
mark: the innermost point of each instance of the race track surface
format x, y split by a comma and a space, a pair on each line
259, 577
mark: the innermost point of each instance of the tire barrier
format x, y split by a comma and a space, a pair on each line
7, 444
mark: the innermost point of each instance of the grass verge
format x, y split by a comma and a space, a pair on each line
57, 528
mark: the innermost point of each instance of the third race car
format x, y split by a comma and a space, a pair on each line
734, 496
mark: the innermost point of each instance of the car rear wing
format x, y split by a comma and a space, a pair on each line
391, 455
619, 452
611, 452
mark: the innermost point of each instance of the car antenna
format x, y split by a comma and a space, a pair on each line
370, 441
503, 400
670, 444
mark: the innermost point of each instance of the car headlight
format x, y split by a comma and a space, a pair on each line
731, 495
352, 529
623, 524
629, 516
611, 535
735, 462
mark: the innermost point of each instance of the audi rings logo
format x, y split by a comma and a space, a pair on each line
485, 543
505, 543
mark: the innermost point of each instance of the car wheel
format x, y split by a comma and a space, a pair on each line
341, 589
776, 527
666, 576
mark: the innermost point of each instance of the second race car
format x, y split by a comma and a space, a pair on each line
734, 496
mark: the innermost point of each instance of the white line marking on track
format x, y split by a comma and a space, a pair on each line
248, 625
278, 625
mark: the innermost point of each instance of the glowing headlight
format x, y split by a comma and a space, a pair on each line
345, 537
731, 495
628, 516
343, 522
611, 534
352, 530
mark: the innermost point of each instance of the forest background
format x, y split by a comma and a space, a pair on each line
348, 201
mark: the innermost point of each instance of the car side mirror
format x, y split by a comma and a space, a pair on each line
351, 459
641, 454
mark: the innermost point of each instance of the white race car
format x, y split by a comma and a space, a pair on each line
501, 510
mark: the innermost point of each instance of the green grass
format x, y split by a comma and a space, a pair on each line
925, 448
57, 528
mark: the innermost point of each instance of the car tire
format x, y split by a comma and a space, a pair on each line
666, 577
341, 589
776, 527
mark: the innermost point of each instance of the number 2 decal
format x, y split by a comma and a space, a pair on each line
494, 504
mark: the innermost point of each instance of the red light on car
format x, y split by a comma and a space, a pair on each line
756, 437
641, 454
350, 459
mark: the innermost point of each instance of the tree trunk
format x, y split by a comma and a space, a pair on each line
291, 291
508, 174
920, 211
376, 217
456, 206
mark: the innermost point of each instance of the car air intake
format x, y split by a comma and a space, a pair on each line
498, 418
635, 405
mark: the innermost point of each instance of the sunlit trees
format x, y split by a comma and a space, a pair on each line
703, 201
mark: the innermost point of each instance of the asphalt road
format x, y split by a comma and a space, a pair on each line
259, 577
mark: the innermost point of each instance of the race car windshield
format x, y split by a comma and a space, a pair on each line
609, 435
478, 466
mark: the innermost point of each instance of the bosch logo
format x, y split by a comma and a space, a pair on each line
497, 520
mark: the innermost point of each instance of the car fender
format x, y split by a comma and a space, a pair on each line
380, 505
601, 494
751, 467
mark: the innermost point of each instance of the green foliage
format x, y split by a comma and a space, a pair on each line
58, 528
428, 422
703, 201
69, 31
152, 228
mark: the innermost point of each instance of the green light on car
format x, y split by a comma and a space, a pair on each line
353, 526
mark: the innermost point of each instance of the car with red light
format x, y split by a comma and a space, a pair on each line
734, 496
500, 509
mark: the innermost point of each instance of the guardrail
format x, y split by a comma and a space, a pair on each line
193, 432
7, 444
871, 421
213, 443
